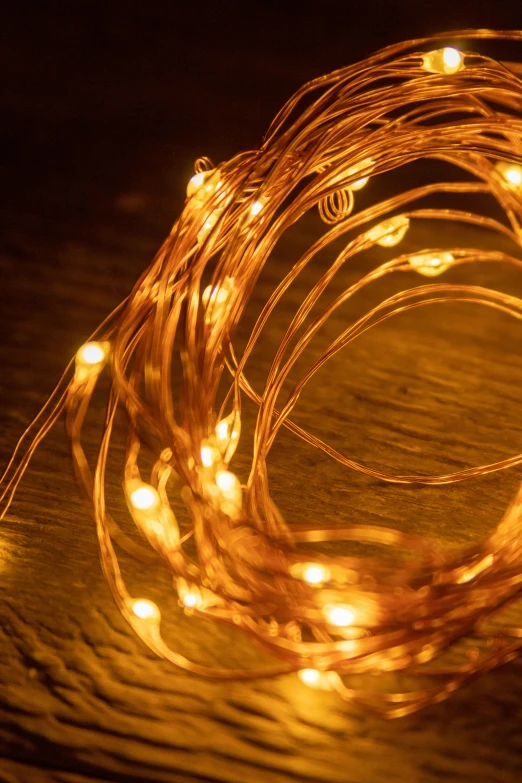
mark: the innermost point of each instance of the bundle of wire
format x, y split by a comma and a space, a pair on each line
318, 615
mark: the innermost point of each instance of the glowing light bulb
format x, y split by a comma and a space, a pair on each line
431, 264
196, 182
256, 208
309, 676
226, 482
511, 173
315, 573
447, 61
222, 429
228, 431
389, 232
91, 353
452, 59
90, 359
144, 498
209, 455
339, 615
215, 298
359, 183
191, 600
145, 609
230, 495
316, 679
203, 185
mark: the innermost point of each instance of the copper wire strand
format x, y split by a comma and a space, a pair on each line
242, 568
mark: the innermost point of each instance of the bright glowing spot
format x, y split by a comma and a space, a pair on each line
359, 183
91, 353
207, 456
338, 615
195, 182
309, 676
389, 232
191, 600
514, 175
203, 185
452, 59
145, 609
144, 498
323, 681
226, 481
447, 61
431, 264
257, 206
218, 295
222, 429
315, 574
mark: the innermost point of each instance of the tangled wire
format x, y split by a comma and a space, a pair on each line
318, 615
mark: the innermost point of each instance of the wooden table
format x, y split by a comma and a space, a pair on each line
101, 157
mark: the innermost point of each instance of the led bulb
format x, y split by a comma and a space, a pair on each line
144, 498
145, 609
315, 574
309, 676
389, 232
431, 264
191, 600
90, 359
339, 615
217, 296
209, 455
196, 182
359, 183
228, 431
222, 429
316, 679
226, 482
445, 61
203, 185
511, 174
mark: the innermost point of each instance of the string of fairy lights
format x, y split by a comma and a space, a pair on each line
325, 618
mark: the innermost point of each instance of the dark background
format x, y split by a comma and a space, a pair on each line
104, 108
149, 86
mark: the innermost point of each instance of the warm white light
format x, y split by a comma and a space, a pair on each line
203, 185
91, 353
228, 431
217, 296
208, 455
309, 676
452, 59
222, 429
195, 183
257, 206
389, 232
511, 173
226, 481
431, 264
144, 498
338, 615
145, 609
447, 61
314, 678
514, 175
315, 574
359, 183
191, 600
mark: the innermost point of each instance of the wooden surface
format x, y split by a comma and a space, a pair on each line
103, 128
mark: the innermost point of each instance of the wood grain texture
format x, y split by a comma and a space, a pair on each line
81, 700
